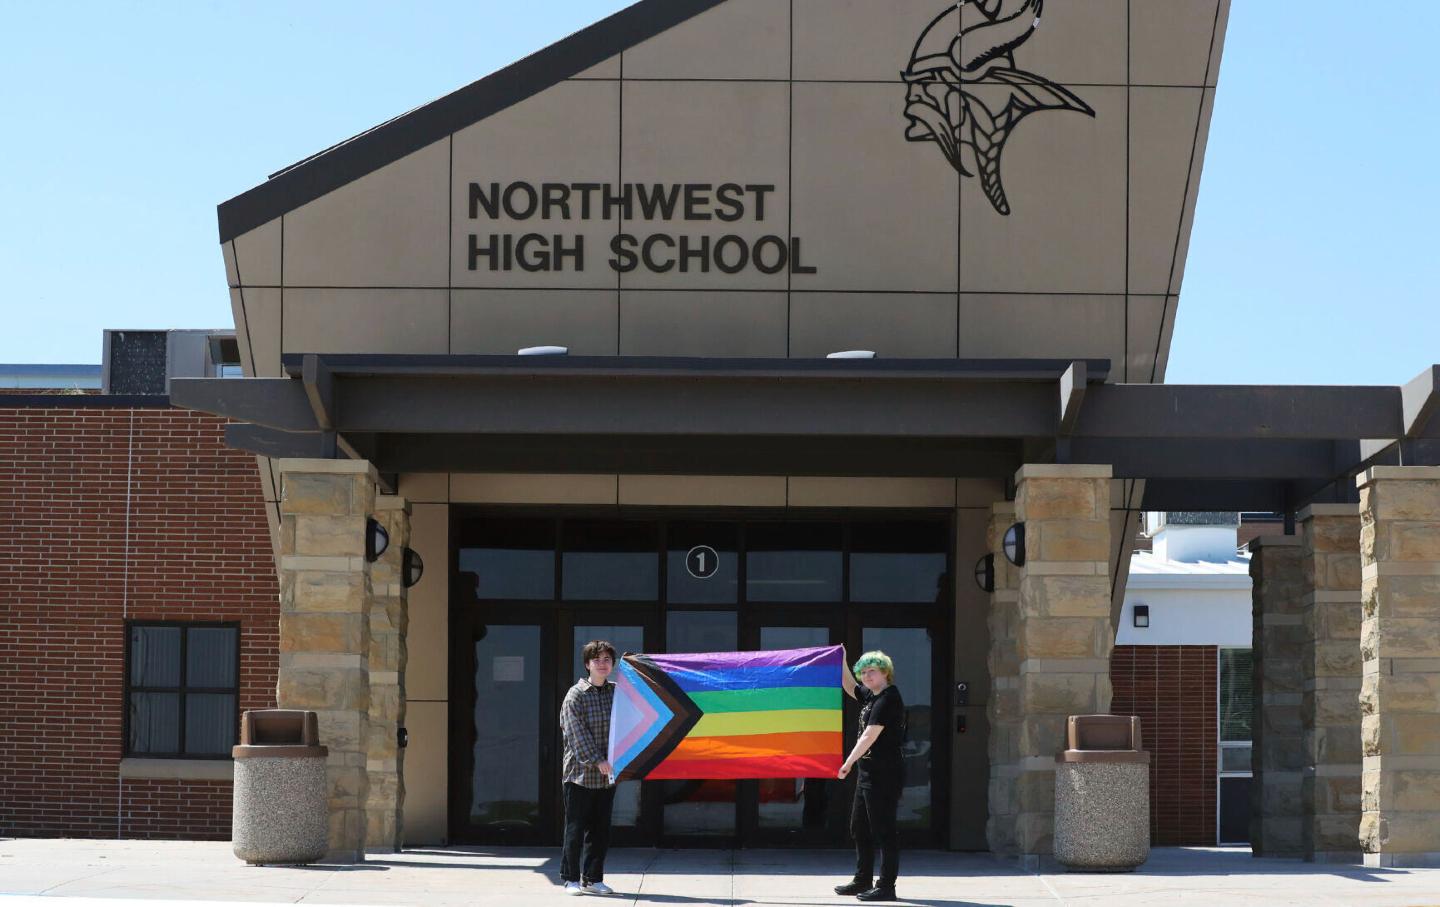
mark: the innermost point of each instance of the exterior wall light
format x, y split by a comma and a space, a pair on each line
544, 351
376, 540
985, 573
852, 354
411, 567
1015, 544
1141, 616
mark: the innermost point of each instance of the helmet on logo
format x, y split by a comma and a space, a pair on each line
970, 43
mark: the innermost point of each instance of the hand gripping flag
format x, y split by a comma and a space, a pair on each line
729, 715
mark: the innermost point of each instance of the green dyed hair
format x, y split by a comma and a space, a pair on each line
876, 659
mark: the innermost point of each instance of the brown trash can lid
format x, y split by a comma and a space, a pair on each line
1103, 738
283, 733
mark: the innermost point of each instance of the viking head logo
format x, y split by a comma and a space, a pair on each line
965, 94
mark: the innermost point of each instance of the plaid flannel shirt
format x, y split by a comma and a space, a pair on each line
585, 724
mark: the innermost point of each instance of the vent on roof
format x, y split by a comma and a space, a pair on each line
143, 362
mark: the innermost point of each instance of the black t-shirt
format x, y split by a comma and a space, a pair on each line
882, 762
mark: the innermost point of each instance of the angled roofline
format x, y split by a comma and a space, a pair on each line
367, 152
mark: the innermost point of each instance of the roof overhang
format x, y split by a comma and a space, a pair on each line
1200, 447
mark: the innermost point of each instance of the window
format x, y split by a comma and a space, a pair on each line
509, 559
181, 689
1237, 710
794, 562
901, 561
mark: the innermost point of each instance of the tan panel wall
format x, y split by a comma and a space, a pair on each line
503, 488
426, 767
386, 229
427, 676
742, 39
703, 491
970, 760
810, 491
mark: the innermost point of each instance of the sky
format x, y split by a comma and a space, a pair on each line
123, 124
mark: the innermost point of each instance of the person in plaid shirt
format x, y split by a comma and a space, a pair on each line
589, 789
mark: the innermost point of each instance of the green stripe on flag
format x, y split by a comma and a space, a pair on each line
768, 699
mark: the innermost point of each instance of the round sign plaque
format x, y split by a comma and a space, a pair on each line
702, 562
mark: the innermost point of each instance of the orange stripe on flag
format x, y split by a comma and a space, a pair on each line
794, 743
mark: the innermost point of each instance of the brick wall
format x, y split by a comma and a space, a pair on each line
1173, 690
85, 482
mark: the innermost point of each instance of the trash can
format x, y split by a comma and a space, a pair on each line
281, 812
1102, 795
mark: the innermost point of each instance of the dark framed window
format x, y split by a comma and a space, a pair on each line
181, 689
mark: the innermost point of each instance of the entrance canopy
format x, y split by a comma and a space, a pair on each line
1199, 447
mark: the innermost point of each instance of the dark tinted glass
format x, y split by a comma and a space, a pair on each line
210, 657
155, 656
901, 561
611, 560
510, 559
155, 723
793, 562
1237, 700
209, 724
701, 565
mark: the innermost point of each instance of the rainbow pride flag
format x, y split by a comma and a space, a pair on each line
728, 715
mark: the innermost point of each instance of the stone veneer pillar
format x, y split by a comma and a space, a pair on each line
1400, 646
1063, 630
1003, 707
325, 604
1330, 674
389, 622
1277, 751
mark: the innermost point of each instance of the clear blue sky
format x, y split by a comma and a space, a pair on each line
123, 124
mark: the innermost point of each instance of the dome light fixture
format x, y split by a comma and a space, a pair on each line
412, 567
376, 540
985, 573
1015, 544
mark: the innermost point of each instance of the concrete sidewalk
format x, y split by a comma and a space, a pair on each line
86, 873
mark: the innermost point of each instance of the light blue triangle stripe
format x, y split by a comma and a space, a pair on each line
619, 761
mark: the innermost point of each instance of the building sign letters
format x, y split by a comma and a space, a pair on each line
659, 252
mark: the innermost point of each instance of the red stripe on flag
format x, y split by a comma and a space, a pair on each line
791, 766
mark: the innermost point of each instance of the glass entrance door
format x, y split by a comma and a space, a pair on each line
911, 650
502, 792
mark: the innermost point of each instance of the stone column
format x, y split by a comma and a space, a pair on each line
389, 621
325, 601
1003, 708
1277, 754
1400, 648
1330, 674
1063, 630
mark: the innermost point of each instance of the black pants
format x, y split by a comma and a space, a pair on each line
872, 824
587, 822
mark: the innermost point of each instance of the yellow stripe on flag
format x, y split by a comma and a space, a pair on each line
729, 724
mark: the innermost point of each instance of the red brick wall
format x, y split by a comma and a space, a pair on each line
1173, 690
79, 476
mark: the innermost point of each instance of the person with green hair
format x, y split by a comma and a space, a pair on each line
882, 777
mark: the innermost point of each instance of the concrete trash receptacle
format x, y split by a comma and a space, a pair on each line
1102, 795
281, 812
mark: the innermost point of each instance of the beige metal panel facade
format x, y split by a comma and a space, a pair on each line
892, 325
742, 39
710, 323
499, 322
569, 133
386, 229
364, 321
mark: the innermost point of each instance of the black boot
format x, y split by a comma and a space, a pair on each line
855, 886
884, 893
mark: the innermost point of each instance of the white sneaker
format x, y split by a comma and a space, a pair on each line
598, 888
573, 889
